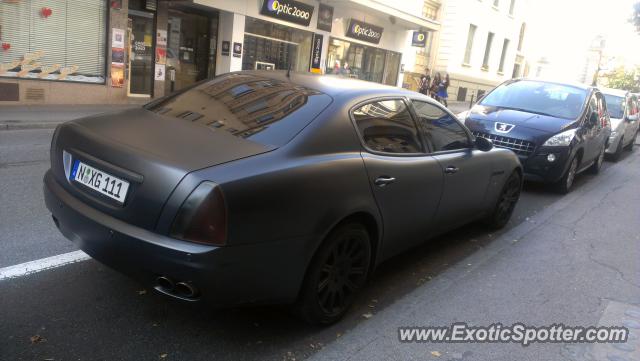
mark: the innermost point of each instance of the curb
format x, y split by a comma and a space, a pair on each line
29, 125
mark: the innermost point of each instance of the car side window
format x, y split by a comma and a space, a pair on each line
602, 111
387, 126
442, 129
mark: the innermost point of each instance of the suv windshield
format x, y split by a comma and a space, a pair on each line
615, 106
261, 109
556, 100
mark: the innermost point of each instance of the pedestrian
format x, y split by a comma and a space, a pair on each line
443, 85
336, 67
425, 82
346, 70
435, 86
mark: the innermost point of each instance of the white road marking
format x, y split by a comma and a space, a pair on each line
42, 264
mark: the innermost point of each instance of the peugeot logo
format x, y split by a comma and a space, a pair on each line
504, 127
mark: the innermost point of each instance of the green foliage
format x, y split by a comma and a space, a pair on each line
622, 79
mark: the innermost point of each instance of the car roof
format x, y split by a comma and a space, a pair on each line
567, 83
333, 85
616, 92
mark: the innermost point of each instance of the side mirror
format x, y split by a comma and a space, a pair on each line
483, 144
632, 118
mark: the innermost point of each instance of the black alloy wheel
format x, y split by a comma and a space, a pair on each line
633, 142
338, 271
506, 202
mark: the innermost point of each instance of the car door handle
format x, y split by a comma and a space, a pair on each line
383, 181
451, 169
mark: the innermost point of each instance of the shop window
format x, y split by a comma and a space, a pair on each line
362, 62
269, 45
55, 40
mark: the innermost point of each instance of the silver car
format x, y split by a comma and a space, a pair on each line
623, 111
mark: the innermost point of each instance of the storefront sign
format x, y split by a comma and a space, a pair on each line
288, 10
226, 48
237, 50
316, 54
364, 31
325, 17
419, 39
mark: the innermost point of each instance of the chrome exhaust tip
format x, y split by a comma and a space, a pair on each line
165, 283
186, 289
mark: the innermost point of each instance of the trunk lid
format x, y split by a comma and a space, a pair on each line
150, 151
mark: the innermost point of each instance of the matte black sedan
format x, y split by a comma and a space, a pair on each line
557, 130
258, 187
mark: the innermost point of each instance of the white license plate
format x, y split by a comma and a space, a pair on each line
100, 181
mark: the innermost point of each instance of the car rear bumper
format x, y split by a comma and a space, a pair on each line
249, 274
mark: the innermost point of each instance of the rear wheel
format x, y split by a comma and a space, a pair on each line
337, 272
597, 164
506, 202
565, 183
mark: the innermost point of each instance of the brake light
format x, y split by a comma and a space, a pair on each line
202, 217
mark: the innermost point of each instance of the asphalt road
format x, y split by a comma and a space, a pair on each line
86, 311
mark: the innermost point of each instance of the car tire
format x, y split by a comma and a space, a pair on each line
565, 184
597, 164
337, 272
618, 153
631, 144
506, 203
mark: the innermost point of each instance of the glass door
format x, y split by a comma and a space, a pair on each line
141, 53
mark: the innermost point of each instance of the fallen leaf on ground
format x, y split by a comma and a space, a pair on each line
164, 355
142, 292
37, 339
367, 315
436, 353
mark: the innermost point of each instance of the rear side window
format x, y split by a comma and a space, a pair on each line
387, 126
264, 110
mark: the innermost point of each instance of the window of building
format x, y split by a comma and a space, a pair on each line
362, 62
269, 45
505, 47
523, 28
429, 11
512, 7
487, 51
469, 47
54, 40
387, 126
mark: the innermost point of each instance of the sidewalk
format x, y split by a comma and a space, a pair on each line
574, 263
49, 116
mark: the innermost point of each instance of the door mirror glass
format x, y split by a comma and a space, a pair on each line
483, 144
632, 117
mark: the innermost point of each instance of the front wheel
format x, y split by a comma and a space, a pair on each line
337, 272
632, 143
506, 202
616, 156
565, 183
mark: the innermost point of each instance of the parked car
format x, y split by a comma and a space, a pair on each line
258, 187
557, 130
623, 111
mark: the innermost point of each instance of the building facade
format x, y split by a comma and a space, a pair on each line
130, 51
480, 45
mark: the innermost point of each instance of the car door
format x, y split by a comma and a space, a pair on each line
592, 130
405, 181
467, 171
631, 118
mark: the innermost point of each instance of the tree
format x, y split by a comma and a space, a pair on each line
620, 78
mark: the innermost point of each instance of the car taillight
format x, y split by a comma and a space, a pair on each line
202, 217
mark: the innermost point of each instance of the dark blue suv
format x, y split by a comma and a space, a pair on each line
557, 130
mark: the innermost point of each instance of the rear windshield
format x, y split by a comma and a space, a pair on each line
263, 110
561, 101
615, 106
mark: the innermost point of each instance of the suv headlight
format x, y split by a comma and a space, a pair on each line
561, 139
